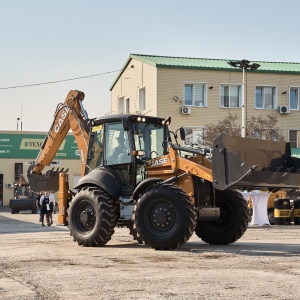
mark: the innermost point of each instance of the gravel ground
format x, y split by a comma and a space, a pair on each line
45, 263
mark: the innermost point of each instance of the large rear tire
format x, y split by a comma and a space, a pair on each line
164, 217
92, 217
233, 221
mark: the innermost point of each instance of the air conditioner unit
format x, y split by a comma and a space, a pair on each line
10, 185
284, 109
186, 110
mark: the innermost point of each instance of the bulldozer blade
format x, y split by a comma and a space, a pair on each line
48, 182
252, 164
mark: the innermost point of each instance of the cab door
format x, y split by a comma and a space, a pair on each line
117, 155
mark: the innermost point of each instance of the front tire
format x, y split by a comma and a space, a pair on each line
92, 217
164, 217
233, 221
133, 233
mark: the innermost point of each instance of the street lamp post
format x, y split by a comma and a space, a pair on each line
244, 65
18, 119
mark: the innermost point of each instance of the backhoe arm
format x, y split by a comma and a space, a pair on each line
68, 115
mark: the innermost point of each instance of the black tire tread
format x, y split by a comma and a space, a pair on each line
105, 211
133, 233
187, 212
271, 216
213, 234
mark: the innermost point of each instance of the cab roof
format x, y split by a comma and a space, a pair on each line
132, 118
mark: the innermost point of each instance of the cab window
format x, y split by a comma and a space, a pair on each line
117, 149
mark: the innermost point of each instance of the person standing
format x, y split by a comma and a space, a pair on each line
22, 185
45, 208
52, 204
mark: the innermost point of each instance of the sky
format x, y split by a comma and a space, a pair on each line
58, 40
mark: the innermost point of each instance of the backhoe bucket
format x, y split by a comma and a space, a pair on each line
252, 164
44, 182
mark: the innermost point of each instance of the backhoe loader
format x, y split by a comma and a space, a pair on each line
135, 173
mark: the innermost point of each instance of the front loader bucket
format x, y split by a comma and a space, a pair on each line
48, 182
252, 164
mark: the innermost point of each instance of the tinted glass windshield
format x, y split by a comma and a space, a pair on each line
149, 138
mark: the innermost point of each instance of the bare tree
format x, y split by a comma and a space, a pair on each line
257, 127
264, 128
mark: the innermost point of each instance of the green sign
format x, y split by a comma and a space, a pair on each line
21, 145
295, 152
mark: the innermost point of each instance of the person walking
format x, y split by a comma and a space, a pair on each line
45, 209
38, 204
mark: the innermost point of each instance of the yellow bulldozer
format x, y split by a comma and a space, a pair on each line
136, 173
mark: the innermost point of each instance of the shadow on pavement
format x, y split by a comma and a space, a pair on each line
24, 222
239, 248
245, 248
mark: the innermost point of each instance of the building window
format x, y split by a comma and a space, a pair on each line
142, 99
121, 105
194, 136
294, 98
294, 138
260, 134
127, 106
231, 96
265, 97
263, 134
18, 171
195, 94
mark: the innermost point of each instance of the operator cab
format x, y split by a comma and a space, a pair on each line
126, 143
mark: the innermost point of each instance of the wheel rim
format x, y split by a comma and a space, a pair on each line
85, 217
161, 217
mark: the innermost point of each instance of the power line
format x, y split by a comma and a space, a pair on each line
56, 81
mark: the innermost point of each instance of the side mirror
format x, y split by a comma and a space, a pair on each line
182, 133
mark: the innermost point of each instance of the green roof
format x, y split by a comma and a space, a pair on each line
208, 64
